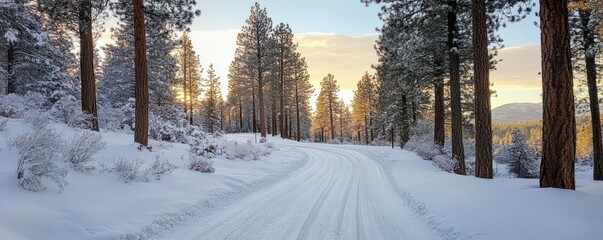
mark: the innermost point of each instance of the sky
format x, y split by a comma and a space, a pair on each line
338, 37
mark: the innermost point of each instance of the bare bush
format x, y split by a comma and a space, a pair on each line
128, 169
161, 166
3, 123
68, 110
39, 150
83, 146
200, 164
246, 151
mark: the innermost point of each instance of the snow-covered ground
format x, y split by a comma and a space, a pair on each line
301, 191
101, 206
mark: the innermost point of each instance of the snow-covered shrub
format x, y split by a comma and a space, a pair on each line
3, 123
165, 131
129, 169
39, 152
263, 140
37, 118
161, 166
334, 141
14, 105
522, 159
83, 146
470, 165
111, 118
132, 169
200, 164
204, 144
69, 111
444, 162
246, 151
423, 145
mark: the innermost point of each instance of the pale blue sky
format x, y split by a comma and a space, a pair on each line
334, 16
337, 36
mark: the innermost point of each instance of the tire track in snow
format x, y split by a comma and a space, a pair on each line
338, 194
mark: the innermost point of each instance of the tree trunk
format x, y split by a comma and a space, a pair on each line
404, 132
240, 115
366, 134
559, 123
184, 79
141, 90
10, 62
253, 108
87, 63
483, 117
591, 77
282, 94
331, 118
297, 111
458, 153
190, 84
439, 133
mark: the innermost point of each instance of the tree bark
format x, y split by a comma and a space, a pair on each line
184, 78
253, 109
240, 115
559, 123
458, 153
141, 90
439, 133
481, 74
591, 78
297, 110
87, 63
282, 93
190, 84
331, 118
10, 62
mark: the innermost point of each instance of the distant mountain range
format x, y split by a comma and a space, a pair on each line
517, 112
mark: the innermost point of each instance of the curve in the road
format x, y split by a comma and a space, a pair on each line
338, 194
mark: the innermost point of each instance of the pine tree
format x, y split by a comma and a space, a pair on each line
82, 14
522, 160
29, 59
211, 105
586, 45
285, 57
559, 128
326, 104
256, 38
189, 76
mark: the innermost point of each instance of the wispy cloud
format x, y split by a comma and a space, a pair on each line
519, 67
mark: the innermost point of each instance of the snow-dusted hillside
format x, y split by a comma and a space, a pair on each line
517, 112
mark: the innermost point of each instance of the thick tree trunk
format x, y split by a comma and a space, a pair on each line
591, 77
559, 123
481, 73
87, 63
458, 153
10, 62
141, 90
439, 133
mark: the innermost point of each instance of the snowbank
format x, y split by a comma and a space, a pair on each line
99, 205
466, 207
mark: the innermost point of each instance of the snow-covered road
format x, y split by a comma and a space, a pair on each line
339, 193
